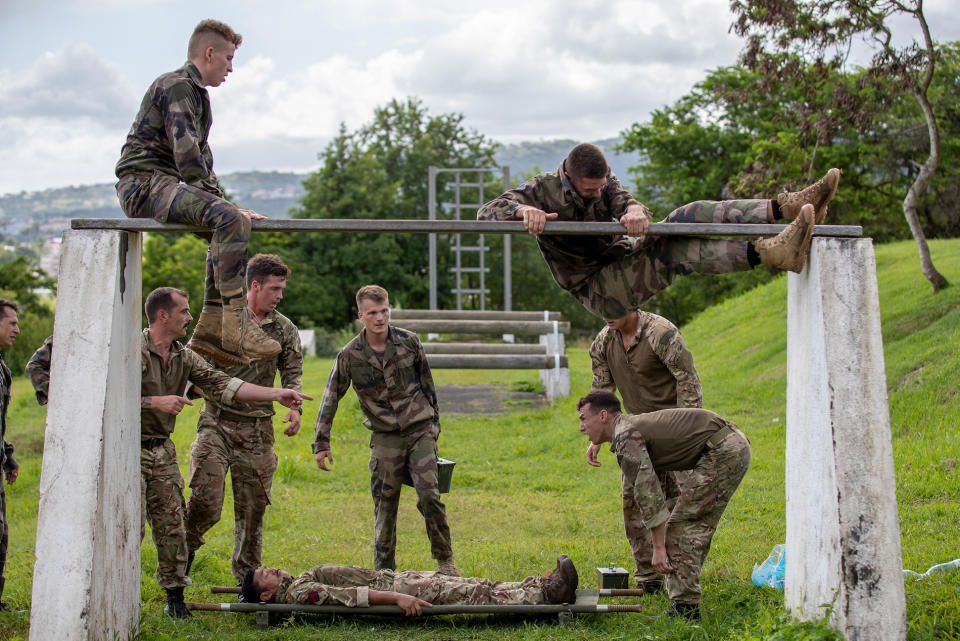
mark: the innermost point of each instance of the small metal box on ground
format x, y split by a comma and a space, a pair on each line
613, 578
444, 475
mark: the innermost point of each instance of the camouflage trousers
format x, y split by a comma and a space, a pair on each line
161, 503
703, 498
440, 589
4, 534
246, 449
390, 455
641, 543
165, 199
628, 282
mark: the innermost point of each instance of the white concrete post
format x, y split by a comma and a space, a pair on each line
86, 581
843, 536
556, 380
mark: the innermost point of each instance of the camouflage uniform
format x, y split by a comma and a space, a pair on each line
718, 455
611, 275
161, 485
7, 463
239, 436
166, 173
350, 585
398, 398
38, 370
656, 372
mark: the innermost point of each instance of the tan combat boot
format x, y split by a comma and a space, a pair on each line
788, 249
448, 567
206, 339
819, 194
242, 337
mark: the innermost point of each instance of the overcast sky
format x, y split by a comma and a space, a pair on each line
72, 72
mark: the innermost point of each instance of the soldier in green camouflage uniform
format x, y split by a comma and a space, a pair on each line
166, 368
612, 275
643, 356
389, 372
239, 436
356, 587
38, 370
9, 470
166, 173
716, 452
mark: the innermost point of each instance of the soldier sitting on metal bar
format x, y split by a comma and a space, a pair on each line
353, 586
612, 275
649, 444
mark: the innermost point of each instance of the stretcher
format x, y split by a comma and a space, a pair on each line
587, 603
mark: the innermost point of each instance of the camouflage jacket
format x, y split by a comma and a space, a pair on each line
395, 388
183, 365
38, 370
662, 441
572, 259
170, 131
330, 584
7, 462
656, 372
263, 372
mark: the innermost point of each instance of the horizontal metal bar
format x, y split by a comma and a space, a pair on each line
485, 348
492, 327
494, 361
449, 170
469, 314
403, 226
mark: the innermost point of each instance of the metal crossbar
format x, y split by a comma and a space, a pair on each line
399, 226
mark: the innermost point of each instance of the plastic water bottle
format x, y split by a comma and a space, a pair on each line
949, 566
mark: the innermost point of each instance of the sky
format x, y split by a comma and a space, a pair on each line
73, 72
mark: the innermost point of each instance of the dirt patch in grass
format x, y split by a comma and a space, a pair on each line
485, 399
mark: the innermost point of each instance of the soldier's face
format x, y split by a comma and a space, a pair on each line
269, 580
266, 295
375, 316
587, 187
178, 318
593, 424
217, 63
9, 327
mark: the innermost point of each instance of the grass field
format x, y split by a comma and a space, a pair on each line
522, 492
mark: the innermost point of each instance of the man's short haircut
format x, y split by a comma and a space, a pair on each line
600, 399
4, 304
161, 299
262, 265
586, 161
371, 292
249, 588
206, 35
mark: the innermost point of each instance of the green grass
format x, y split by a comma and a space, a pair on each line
522, 492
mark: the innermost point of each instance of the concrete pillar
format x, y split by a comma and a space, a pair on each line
86, 581
843, 536
556, 380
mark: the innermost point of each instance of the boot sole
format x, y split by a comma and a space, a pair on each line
219, 356
821, 214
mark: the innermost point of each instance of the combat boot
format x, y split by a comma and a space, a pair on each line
560, 586
819, 194
788, 249
448, 567
175, 607
688, 611
241, 336
206, 339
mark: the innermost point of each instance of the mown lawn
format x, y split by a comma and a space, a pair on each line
522, 492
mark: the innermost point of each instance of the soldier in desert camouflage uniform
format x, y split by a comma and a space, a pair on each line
166, 173
643, 356
389, 372
716, 452
166, 368
239, 436
611, 275
357, 587
38, 370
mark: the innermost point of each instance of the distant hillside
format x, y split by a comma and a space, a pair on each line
546, 155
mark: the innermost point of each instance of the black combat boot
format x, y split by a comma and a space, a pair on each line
175, 607
689, 611
560, 586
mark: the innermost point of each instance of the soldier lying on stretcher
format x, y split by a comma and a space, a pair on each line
354, 586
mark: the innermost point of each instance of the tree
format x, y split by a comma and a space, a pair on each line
24, 283
799, 42
175, 260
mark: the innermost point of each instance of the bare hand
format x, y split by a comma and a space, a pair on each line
252, 215
12, 475
660, 562
592, 451
635, 221
411, 605
172, 404
322, 457
292, 417
290, 398
533, 219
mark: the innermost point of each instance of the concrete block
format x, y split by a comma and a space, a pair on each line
843, 537
556, 380
86, 581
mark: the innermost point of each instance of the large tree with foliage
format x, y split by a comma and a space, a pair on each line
801, 42
29, 286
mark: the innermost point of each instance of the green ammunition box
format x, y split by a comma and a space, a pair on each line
444, 475
612, 578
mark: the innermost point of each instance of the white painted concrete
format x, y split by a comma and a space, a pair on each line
843, 537
556, 381
86, 581
308, 342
